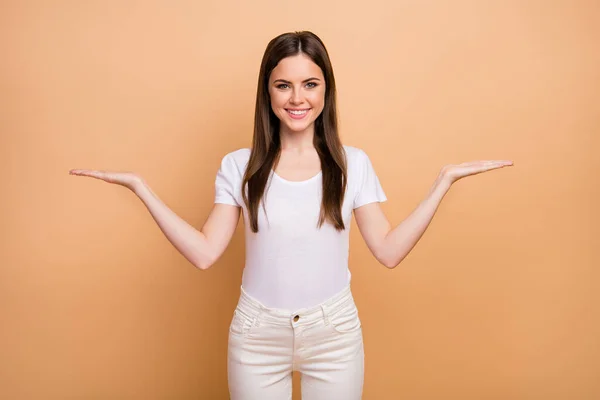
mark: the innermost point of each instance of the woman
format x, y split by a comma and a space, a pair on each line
296, 311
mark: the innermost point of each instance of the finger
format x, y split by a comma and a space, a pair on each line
476, 163
490, 166
498, 162
91, 173
79, 171
486, 163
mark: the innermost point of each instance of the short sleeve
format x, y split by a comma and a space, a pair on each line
227, 182
369, 189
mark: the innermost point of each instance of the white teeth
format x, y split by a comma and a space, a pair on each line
295, 112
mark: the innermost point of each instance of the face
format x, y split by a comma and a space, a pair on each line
297, 91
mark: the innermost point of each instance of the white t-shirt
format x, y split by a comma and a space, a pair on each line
290, 263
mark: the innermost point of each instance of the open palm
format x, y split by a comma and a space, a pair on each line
458, 171
128, 179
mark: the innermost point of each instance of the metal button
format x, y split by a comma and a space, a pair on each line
296, 318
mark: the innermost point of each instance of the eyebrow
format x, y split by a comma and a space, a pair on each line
304, 81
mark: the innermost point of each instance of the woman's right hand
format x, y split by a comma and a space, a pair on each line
129, 180
193, 244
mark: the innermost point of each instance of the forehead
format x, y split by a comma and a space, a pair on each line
296, 68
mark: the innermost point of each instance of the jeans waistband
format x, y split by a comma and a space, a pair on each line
255, 309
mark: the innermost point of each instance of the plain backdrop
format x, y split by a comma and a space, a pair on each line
499, 300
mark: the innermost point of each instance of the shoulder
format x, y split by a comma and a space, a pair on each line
354, 152
237, 159
355, 156
238, 156
351, 151
233, 164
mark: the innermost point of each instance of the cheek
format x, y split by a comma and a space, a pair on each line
277, 101
317, 100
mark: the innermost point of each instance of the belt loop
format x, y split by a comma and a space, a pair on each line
325, 317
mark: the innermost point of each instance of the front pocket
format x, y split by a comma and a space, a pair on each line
346, 320
240, 323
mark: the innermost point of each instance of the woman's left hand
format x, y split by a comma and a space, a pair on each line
452, 173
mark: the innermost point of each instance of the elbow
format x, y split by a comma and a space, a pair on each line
387, 256
204, 261
387, 262
202, 267
390, 262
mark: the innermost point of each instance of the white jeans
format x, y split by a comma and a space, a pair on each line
324, 343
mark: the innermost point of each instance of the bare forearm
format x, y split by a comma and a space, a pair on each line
403, 238
190, 242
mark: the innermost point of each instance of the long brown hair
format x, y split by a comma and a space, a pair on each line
266, 144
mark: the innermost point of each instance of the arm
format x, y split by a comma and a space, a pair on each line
202, 248
391, 246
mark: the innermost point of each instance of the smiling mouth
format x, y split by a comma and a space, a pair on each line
297, 114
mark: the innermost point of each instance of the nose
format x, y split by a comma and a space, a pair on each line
296, 97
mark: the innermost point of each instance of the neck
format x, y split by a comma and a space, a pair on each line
297, 140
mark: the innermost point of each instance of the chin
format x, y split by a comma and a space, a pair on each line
298, 127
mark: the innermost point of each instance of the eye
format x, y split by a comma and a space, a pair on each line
282, 86
312, 85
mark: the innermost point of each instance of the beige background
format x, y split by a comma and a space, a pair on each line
500, 298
